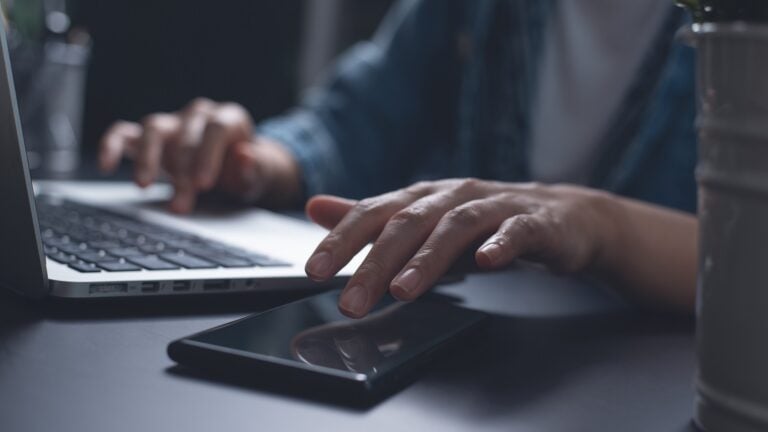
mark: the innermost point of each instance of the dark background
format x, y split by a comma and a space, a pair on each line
151, 55
147, 56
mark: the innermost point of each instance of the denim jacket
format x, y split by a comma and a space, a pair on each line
444, 89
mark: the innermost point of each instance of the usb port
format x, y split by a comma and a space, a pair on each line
182, 285
150, 286
216, 285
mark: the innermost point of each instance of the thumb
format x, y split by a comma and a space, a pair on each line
327, 210
241, 174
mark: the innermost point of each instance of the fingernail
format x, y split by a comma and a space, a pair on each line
492, 251
354, 300
318, 265
408, 281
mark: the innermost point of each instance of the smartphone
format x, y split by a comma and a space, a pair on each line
309, 347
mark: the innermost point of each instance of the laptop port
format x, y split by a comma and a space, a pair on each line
216, 285
149, 287
108, 288
182, 285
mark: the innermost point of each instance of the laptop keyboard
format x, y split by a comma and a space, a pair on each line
91, 240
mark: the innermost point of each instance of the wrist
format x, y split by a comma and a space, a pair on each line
609, 216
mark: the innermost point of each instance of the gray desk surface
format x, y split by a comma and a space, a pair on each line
559, 355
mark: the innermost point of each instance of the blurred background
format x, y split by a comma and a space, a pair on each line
79, 65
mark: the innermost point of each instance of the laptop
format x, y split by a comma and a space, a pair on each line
110, 239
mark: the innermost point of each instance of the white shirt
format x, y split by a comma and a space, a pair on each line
593, 49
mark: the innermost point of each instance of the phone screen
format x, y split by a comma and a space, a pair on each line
312, 332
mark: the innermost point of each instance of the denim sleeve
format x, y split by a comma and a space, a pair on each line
357, 134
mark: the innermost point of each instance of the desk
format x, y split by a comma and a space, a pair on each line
559, 355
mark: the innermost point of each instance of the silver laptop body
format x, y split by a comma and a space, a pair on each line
26, 245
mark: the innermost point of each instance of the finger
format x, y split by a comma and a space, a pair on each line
242, 172
402, 236
228, 124
158, 130
360, 225
184, 196
327, 211
180, 155
198, 105
521, 235
455, 232
193, 121
116, 143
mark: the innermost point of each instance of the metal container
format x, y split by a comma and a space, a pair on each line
732, 334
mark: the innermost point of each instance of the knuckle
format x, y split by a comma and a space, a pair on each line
425, 255
200, 104
419, 187
371, 267
422, 260
233, 107
535, 186
466, 214
156, 121
469, 185
333, 241
231, 114
412, 216
510, 198
527, 225
369, 207
232, 120
120, 125
218, 120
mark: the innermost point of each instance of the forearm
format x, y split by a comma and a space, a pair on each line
355, 135
651, 253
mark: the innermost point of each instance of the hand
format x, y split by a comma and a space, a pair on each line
419, 231
205, 145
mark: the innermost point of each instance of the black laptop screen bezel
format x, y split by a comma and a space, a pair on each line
22, 264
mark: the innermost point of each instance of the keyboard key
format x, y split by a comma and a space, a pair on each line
63, 258
119, 266
229, 261
124, 252
188, 261
95, 257
71, 228
56, 240
153, 247
153, 263
73, 248
106, 244
137, 240
84, 267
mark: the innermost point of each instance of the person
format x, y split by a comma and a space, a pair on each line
560, 132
